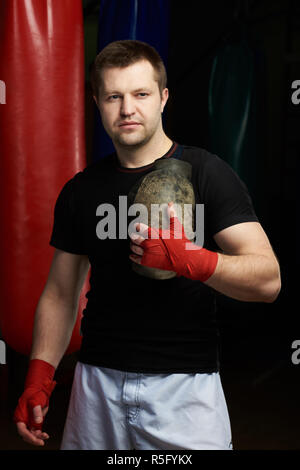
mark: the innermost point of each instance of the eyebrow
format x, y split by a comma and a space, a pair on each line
116, 92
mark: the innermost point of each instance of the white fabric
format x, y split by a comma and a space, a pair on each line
115, 410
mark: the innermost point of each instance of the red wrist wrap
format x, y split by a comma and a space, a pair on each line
173, 251
39, 385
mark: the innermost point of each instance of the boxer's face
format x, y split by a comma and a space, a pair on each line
130, 104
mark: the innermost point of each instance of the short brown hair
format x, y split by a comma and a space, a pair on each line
123, 53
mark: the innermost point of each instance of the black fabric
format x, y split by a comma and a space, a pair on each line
135, 323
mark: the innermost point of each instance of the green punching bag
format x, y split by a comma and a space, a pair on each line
231, 106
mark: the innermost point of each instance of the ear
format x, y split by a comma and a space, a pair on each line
164, 98
95, 99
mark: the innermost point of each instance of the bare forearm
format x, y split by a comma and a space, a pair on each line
54, 323
250, 278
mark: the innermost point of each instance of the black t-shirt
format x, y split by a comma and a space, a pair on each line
131, 322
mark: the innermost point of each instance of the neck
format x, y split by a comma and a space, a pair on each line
137, 156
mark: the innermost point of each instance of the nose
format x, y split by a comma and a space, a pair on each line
127, 108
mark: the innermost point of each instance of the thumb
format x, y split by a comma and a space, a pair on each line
176, 226
171, 209
37, 414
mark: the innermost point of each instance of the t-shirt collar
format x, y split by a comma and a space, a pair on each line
171, 152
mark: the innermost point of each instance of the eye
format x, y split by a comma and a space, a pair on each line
113, 97
142, 94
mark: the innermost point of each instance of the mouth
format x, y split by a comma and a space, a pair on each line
129, 125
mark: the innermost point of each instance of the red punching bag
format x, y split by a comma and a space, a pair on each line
41, 147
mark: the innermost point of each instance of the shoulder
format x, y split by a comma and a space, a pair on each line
206, 163
99, 167
199, 155
78, 186
91, 172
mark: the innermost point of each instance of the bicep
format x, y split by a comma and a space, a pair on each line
67, 275
244, 238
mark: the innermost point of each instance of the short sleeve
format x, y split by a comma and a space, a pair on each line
66, 233
226, 196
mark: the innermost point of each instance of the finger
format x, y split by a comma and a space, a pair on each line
137, 249
142, 229
39, 433
37, 414
136, 259
34, 440
136, 239
171, 209
28, 436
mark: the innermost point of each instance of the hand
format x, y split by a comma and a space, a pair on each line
32, 435
33, 404
171, 250
160, 248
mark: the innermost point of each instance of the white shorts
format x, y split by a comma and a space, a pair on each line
115, 410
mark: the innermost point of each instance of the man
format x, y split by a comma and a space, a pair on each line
148, 369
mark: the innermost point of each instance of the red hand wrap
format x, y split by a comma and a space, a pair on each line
173, 251
39, 385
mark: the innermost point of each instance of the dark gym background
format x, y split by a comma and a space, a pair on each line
260, 381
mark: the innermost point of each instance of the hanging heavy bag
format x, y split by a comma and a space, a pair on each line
41, 146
